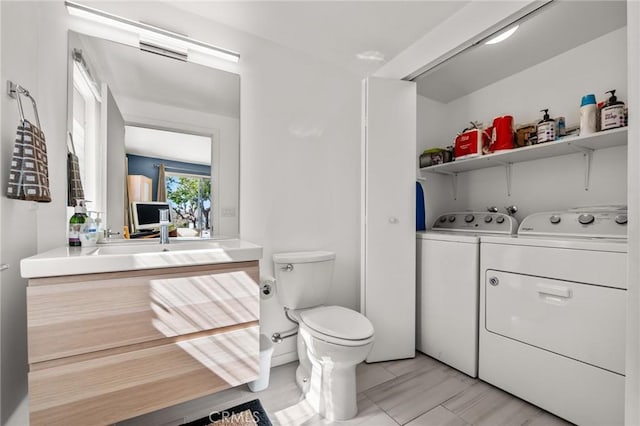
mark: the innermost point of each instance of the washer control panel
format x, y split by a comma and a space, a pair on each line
494, 223
577, 223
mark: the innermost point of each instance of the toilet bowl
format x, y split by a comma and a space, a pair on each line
331, 341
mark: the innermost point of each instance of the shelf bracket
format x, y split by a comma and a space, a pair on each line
588, 154
454, 182
507, 170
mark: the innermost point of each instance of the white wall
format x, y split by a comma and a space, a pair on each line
225, 158
2, 182
431, 132
300, 156
33, 56
556, 183
112, 128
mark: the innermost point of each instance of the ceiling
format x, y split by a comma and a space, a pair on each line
556, 28
144, 76
333, 31
167, 145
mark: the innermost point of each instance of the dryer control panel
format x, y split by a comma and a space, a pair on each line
492, 223
582, 223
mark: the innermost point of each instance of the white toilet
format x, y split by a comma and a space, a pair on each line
332, 340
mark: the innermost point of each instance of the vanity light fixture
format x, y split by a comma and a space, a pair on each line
154, 39
503, 36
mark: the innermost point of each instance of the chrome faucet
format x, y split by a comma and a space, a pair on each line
164, 226
108, 234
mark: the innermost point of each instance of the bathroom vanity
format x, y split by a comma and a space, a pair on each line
118, 331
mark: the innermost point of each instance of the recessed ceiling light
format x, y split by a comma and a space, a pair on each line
371, 55
503, 36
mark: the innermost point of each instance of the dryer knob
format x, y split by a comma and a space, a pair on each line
469, 218
443, 219
500, 219
554, 219
488, 219
586, 219
621, 219
452, 218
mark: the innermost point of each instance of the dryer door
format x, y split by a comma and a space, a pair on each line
580, 321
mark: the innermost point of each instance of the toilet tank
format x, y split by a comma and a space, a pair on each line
303, 279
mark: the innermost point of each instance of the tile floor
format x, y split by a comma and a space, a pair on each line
413, 392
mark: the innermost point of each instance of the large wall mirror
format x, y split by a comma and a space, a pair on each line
146, 128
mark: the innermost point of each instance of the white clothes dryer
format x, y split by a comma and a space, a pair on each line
448, 261
552, 313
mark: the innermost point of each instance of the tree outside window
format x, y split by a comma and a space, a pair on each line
190, 198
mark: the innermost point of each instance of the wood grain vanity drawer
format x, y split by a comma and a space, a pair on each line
73, 315
107, 389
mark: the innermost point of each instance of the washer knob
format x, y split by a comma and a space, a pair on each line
488, 219
452, 218
443, 219
555, 219
500, 219
621, 219
586, 219
469, 218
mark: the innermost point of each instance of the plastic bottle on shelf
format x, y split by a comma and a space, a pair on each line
588, 115
546, 128
612, 114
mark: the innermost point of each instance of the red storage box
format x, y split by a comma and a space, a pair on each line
471, 142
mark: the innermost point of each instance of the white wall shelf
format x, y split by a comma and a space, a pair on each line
569, 145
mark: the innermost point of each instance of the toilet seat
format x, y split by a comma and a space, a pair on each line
338, 325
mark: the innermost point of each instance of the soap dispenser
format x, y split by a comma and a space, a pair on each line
89, 236
76, 224
546, 128
612, 114
99, 228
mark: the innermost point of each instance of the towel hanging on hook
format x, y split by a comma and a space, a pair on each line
29, 171
14, 90
74, 181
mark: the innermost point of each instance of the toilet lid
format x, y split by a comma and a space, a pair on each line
339, 322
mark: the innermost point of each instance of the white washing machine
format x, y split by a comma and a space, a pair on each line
552, 313
448, 261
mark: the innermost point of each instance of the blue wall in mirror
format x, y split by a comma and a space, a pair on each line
147, 166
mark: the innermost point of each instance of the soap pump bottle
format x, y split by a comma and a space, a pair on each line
546, 128
89, 236
76, 224
612, 114
99, 228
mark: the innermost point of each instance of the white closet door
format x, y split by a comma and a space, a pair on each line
388, 276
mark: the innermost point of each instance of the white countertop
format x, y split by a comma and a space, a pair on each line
131, 255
